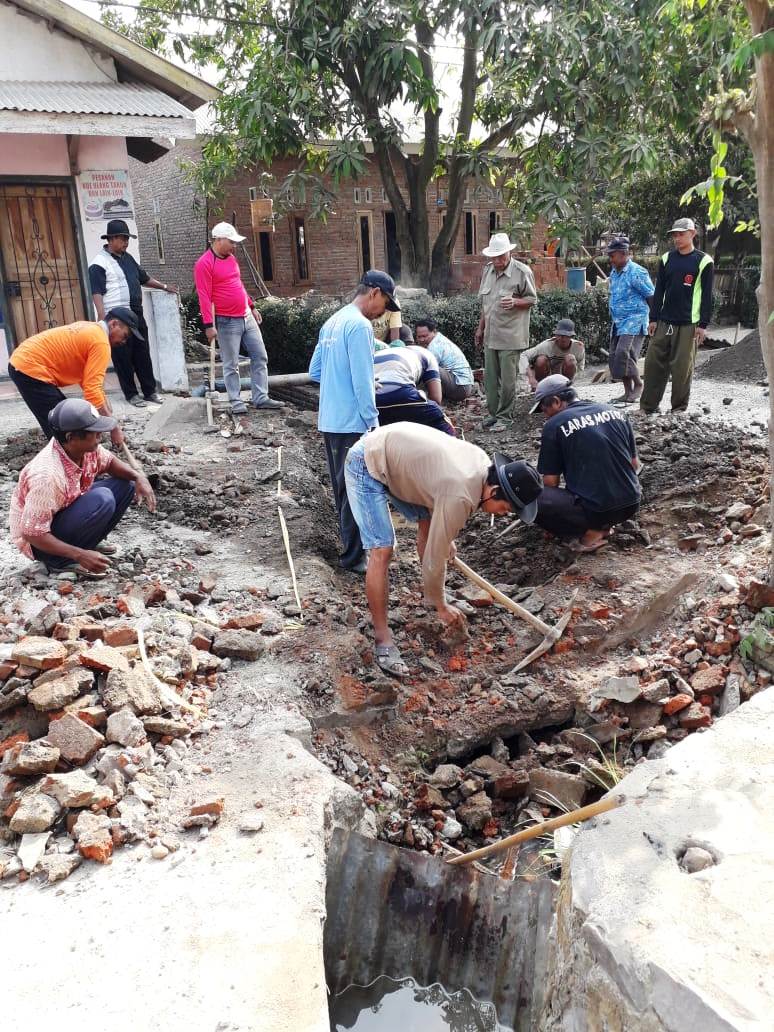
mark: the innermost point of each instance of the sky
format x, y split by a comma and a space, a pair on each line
447, 59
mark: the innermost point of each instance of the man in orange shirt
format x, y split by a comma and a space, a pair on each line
66, 355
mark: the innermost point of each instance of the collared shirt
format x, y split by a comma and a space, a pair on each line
48, 484
407, 366
451, 357
506, 329
554, 353
382, 326
423, 467
118, 278
343, 365
629, 290
67, 355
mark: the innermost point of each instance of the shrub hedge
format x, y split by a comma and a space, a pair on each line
290, 329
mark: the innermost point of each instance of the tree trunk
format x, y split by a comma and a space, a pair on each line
763, 154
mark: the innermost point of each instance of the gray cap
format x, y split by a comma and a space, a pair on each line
683, 225
79, 414
565, 328
546, 388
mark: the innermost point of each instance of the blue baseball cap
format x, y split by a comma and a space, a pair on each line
380, 280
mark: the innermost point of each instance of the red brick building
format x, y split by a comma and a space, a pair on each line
294, 252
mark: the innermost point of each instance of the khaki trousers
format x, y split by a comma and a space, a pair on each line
669, 354
501, 370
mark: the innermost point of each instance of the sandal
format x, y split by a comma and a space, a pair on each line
584, 549
389, 660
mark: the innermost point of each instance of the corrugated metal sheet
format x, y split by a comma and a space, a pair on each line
88, 98
403, 914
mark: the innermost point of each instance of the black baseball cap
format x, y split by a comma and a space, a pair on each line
521, 484
127, 316
79, 414
117, 227
385, 283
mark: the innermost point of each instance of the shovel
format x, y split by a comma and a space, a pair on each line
153, 478
551, 634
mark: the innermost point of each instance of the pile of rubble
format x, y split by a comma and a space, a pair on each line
103, 701
680, 684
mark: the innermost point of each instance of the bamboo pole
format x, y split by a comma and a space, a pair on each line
573, 817
291, 564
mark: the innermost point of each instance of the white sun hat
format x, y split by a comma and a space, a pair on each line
498, 244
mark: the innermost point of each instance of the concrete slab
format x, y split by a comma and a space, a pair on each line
165, 337
173, 416
224, 935
641, 944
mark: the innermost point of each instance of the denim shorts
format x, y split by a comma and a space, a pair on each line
370, 501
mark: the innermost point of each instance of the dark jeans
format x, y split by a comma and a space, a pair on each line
562, 513
453, 391
132, 358
336, 448
39, 397
89, 519
407, 405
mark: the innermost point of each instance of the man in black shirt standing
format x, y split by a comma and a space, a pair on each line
680, 312
117, 280
592, 446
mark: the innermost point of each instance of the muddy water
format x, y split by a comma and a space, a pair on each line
388, 1005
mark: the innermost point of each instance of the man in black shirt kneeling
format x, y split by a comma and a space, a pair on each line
592, 446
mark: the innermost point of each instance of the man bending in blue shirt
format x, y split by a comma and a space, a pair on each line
343, 365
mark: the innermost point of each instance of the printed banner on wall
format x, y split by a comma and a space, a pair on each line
105, 195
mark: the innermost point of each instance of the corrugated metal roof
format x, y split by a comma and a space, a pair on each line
88, 98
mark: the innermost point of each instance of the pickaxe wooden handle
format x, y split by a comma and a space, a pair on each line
534, 621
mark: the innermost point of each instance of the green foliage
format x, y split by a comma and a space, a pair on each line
290, 329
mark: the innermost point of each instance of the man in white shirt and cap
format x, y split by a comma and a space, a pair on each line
507, 294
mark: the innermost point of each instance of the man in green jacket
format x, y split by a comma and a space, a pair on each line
680, 313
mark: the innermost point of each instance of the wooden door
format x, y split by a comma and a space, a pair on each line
40, 263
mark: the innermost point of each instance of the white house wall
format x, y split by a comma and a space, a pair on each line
32, 51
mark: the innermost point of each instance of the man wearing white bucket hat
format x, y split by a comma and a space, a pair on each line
507, 293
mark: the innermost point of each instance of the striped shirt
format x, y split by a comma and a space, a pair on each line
404, 367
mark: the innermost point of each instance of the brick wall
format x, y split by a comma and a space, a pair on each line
334, 248
161, 192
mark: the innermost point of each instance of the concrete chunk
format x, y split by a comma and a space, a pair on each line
36, 812
103, 658
38, 757
92, 834
235, 644
76, 741
131, 689
75, 789
31, 849
58, 693
125, 728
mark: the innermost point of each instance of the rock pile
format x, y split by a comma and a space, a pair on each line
94, 739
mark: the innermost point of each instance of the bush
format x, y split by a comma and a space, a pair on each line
290, 329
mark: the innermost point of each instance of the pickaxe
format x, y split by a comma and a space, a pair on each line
551, 634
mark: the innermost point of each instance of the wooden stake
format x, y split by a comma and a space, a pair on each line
573, 817
291, 564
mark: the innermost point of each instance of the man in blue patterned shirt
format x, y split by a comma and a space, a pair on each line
456, 374
630, 288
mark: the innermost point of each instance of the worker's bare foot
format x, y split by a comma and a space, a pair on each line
591, 541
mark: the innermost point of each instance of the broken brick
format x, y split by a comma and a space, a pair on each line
76, 788
103, 659
35, 813
246, 621
207, 583
213, 806
710, 681
123, 634
6, 669
677, 703
92, 834
695, 716
39, 653
9, 743
76, 741
201, 642
130, 605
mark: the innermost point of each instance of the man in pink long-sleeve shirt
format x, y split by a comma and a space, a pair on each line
228, 313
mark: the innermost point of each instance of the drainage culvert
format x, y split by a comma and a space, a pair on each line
405, 915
